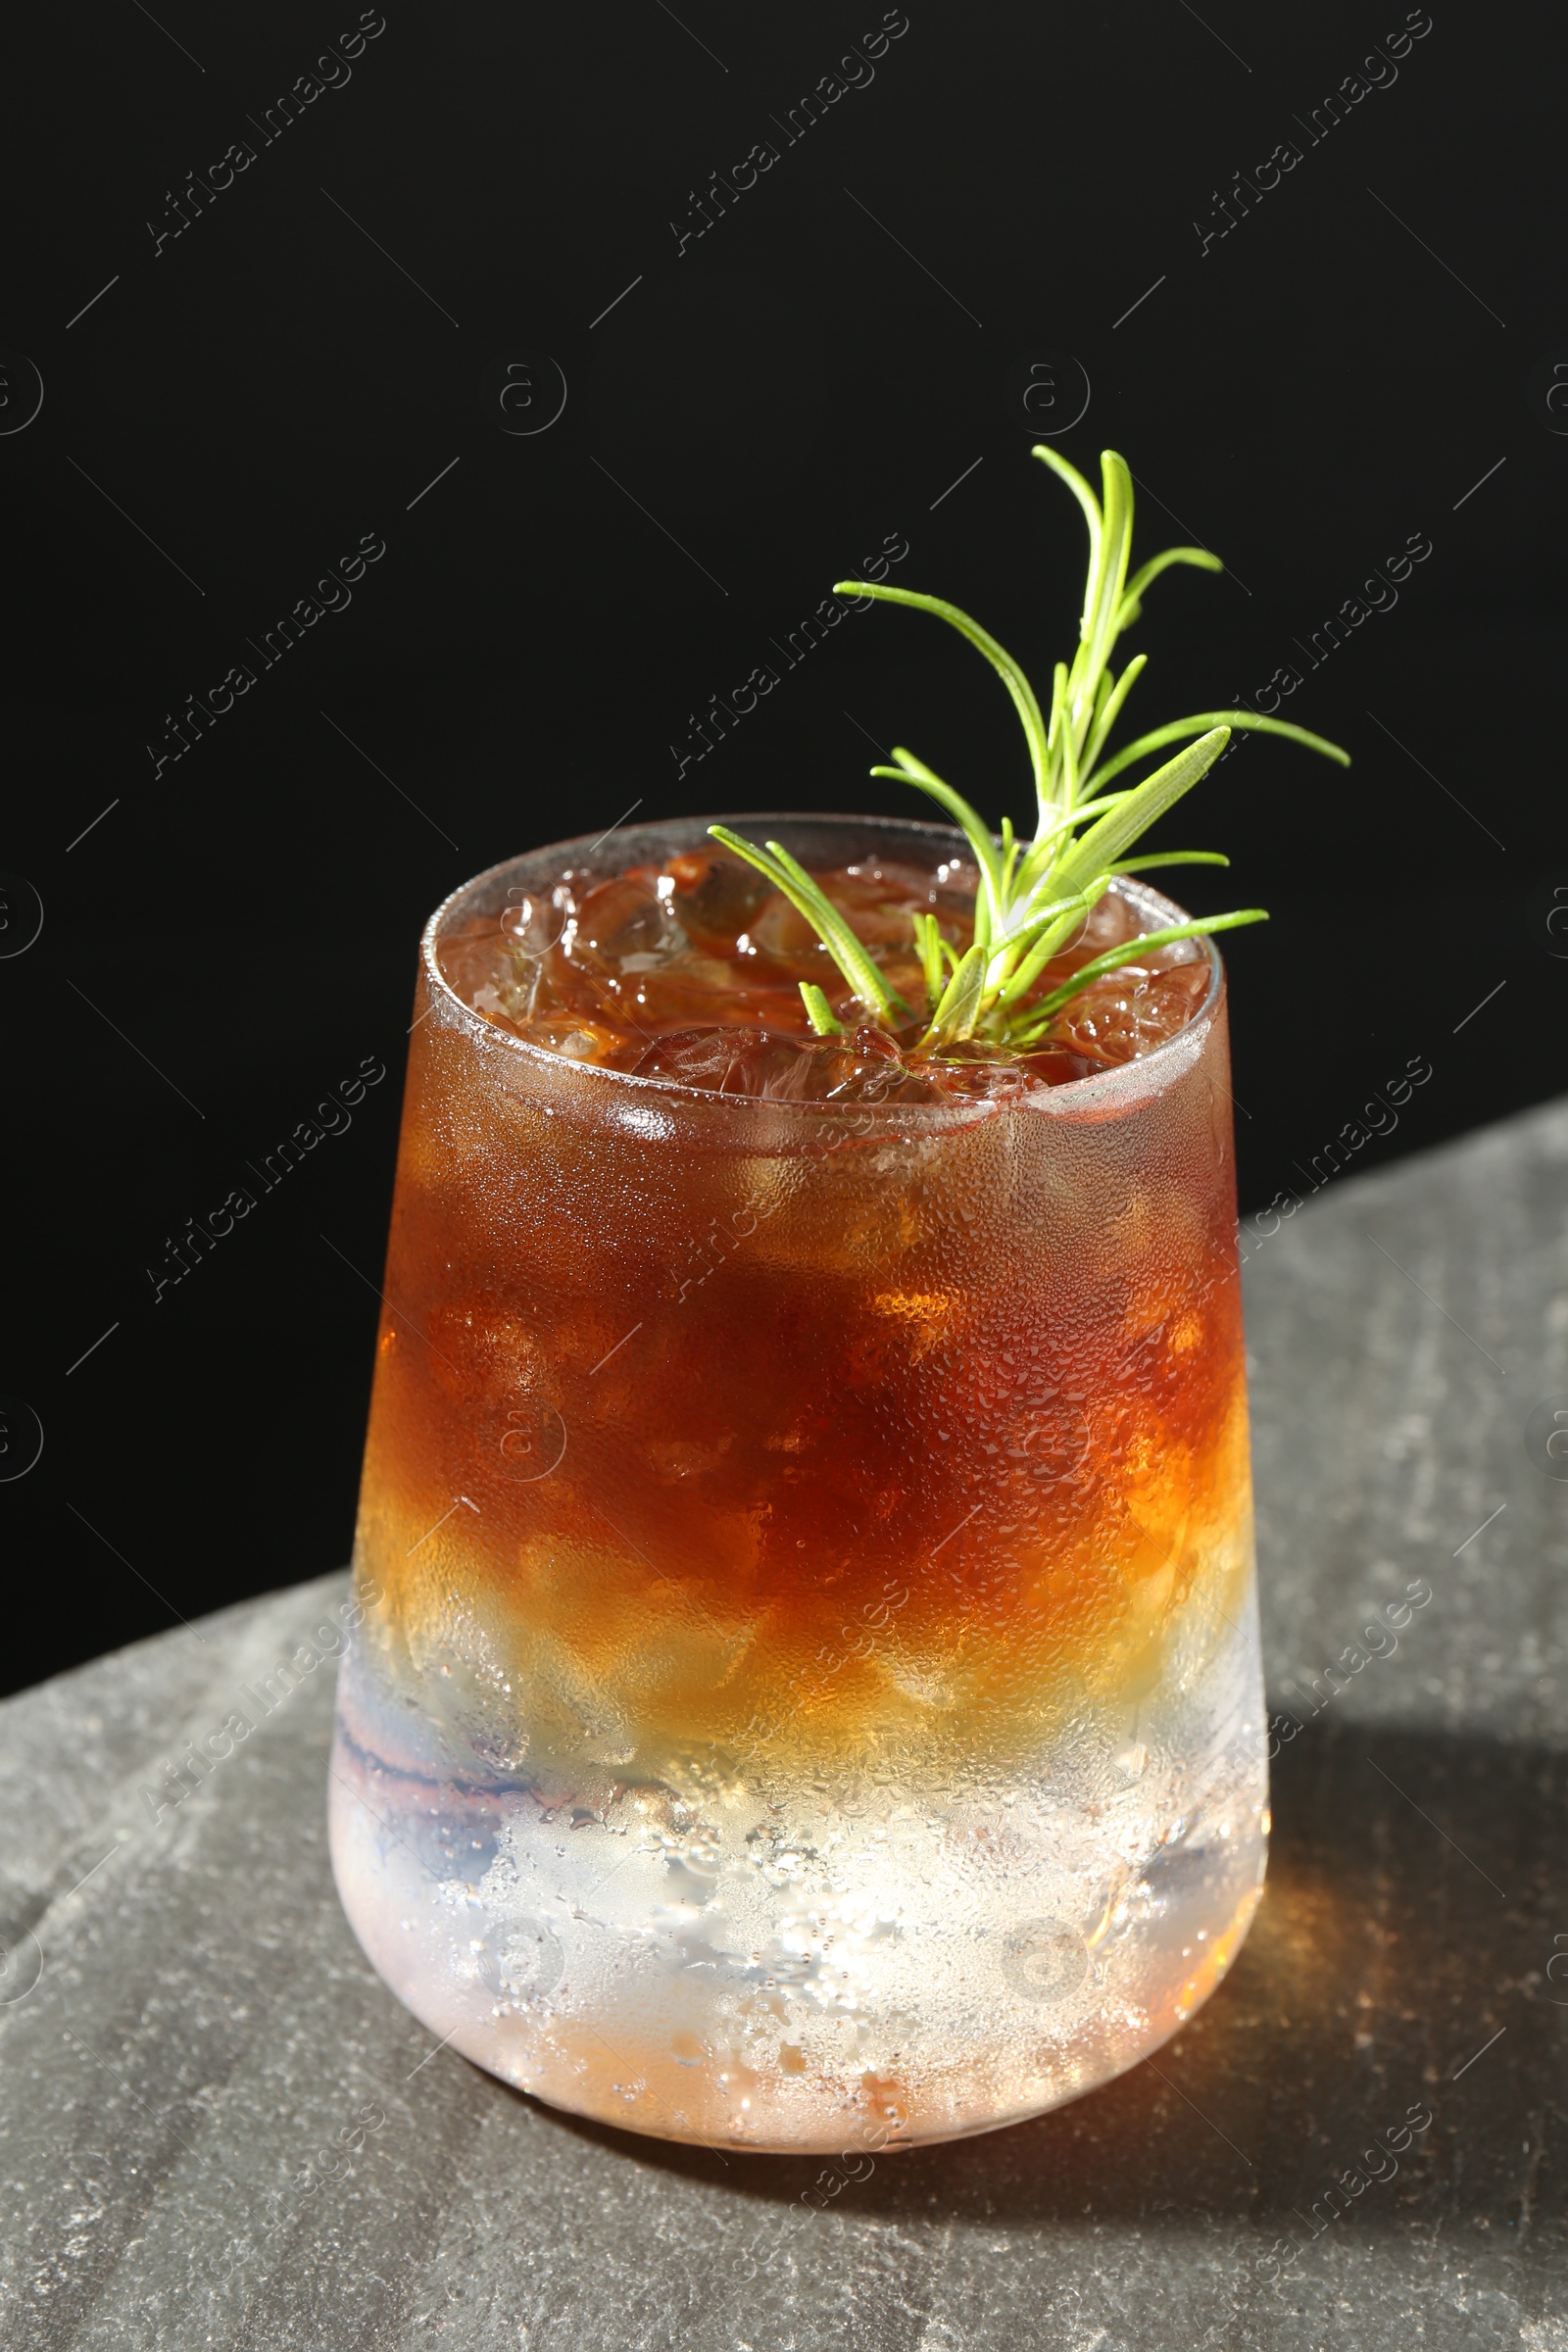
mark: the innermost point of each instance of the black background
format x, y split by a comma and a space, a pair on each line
226, 939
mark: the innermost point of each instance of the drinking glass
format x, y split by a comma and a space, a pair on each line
807, 1695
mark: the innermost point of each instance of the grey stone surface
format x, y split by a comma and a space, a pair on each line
203, 2037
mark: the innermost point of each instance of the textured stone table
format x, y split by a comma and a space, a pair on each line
190, 2151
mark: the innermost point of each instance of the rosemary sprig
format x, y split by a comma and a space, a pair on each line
1032, 899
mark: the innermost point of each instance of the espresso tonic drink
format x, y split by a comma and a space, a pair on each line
809, 1691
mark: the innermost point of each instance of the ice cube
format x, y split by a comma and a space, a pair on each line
626, 926
533, 921
867, 1067
488, 971
1131, 1011
716, 896
729, 1061
578, 1038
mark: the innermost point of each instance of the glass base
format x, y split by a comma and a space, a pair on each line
809, 1967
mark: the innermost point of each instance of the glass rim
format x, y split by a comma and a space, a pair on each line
1143, 1072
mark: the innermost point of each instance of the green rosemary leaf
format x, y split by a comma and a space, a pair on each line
1040, 1015
1002, 661
1066, 792
1133, 597
1135, 865
1109, 712
1248, 721
809, 900
1116, 831
976, 831
928, 940
1010, 849
819, 1011
1059, 705
1091, 516
955, 1016
1115, 547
